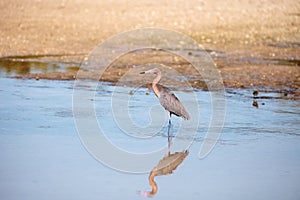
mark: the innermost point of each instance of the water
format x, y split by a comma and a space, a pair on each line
22, 65
42, 157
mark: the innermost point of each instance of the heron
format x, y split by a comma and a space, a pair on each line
167, 99
166, 166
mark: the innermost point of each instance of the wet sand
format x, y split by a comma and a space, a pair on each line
253, 43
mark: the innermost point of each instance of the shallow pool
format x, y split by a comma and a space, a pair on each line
42, 157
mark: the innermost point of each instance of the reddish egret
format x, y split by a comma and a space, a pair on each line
167, 99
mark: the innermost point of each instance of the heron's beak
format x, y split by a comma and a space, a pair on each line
142, 73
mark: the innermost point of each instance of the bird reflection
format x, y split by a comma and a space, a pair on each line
164, 167
255, 104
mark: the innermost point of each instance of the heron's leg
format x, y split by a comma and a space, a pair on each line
169, 136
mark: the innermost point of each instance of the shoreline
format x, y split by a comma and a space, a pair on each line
254, 44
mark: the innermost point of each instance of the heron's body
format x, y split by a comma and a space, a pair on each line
172, 104
167, 99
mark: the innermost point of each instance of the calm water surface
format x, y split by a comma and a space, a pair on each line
257, 156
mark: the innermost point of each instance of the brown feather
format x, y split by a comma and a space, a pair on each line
172, 104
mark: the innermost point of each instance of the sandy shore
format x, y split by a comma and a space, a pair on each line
245, 30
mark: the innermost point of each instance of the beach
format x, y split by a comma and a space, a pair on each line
253, 43
68, 133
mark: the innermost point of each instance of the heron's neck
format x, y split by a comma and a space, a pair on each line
154, 84
152, 183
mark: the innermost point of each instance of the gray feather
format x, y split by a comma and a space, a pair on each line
172, 104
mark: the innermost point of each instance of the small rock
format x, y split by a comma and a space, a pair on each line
255, 93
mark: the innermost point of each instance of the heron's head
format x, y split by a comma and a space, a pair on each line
151, 71
146, 194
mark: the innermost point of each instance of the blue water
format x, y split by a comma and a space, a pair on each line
42, 157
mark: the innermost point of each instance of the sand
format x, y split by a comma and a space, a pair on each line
250, 32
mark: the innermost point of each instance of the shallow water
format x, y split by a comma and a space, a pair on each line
14, 66
42, 157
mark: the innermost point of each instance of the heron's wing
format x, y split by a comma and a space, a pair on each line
171, 103
168, 164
